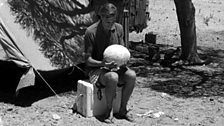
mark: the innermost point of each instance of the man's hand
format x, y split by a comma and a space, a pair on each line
109, 65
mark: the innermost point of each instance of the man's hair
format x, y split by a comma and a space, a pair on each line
107, 9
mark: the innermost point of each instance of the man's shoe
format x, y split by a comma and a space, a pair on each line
107, 117
127, 117
201, 62
109, 120
103, 118
190, 63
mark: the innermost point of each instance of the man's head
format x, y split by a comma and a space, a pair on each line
108, 14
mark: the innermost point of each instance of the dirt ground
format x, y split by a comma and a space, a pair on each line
183, 96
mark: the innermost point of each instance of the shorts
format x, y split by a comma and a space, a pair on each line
94, 75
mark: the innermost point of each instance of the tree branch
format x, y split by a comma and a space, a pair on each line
47, 16
73, 12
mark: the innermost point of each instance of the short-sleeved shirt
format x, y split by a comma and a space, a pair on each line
100, 40
96, 37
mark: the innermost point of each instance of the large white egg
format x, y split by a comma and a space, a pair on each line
117, 53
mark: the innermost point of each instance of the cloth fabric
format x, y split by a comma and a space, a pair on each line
10, 48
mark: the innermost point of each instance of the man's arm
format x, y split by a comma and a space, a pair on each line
90, 61
88, 39
88, 55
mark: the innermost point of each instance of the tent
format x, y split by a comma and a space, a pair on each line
20, 59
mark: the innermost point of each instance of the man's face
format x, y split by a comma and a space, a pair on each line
108, 20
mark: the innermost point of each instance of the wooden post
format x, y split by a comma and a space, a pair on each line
126, 28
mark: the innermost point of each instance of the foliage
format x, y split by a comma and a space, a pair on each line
57, 26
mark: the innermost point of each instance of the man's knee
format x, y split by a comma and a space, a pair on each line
110, 78
130, 75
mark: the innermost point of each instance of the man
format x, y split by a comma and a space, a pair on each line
97, 38
186, 17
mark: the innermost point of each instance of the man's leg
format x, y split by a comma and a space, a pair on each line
129, 79
186, 17
109, 80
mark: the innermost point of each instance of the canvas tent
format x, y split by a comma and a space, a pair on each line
9, 50
25, 43
20, 59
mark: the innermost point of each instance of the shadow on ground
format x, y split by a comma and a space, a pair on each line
61, 80
186, 81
